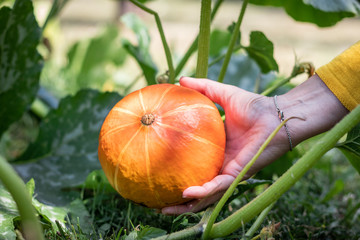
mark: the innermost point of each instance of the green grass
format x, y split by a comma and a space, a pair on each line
303, 212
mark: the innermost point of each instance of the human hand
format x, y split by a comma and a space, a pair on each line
249, 120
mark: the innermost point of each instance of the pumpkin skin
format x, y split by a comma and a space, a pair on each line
160, 140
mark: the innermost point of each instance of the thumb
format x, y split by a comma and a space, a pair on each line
217, 92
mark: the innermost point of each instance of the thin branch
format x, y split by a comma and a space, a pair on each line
163, 38
232, 43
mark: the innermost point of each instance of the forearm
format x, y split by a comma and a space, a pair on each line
315, 104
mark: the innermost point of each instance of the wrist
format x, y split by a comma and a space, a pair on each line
317, 109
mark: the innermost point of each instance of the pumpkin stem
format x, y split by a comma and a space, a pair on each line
147, 119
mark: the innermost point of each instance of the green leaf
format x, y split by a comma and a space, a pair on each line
132, 235
219, 40
20, 63
353, 159
88, 60
261, 50
133, 22
351, 147
144, 60
80, 215
323, 13
66, 147
337, 187
243, 72
8, 211
148, 233
141, 51
97, 180
48, 213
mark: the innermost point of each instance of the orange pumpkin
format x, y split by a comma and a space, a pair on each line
160, 140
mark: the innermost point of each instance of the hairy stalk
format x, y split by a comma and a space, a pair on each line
288, 179
204, 40
30, 223
163, 38
239, 177
233, 39
194, 44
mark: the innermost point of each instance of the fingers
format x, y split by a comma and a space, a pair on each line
192, 206
219, 184
204, 195
217, 92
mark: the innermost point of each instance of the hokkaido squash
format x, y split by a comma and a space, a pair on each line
158, 141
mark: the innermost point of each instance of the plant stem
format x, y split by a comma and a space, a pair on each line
233, 39
39, 108
163, 38
204, 40
194, 44
30, 223
298, 68
192, 231
288, 179
239, 177
258, 221
56, 7
277, 85
222, 56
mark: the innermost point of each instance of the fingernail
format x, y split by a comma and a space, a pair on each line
185, 196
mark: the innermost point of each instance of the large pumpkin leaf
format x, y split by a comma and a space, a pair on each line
140, 52
351, 147
20, 63
49, 214
66, 147
261, 50
8, 211
323, 13
243, 72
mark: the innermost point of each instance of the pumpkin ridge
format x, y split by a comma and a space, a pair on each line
186, 108
126, 111
121, 156
114, 130
147, 164
142, 101
161, 98
196, 137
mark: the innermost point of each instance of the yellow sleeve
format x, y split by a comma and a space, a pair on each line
342, 76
